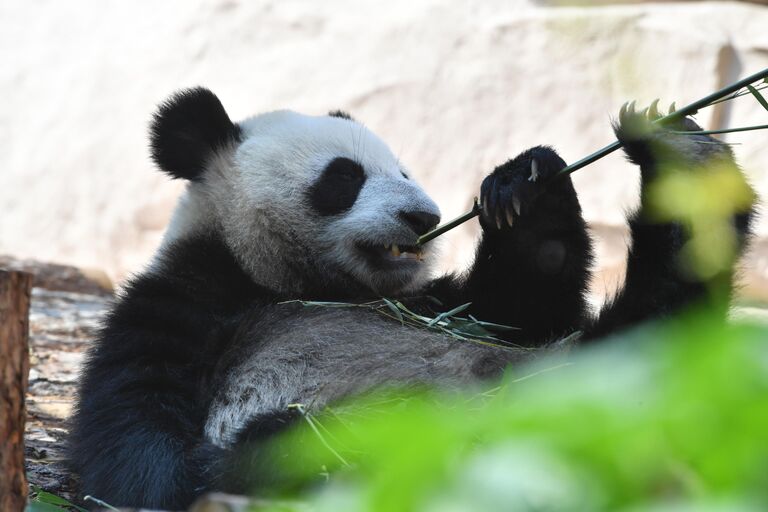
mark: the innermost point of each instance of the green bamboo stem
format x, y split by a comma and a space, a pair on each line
610, 148
724, 130
739, 94
449, 225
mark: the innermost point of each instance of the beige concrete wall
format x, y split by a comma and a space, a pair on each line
455, 88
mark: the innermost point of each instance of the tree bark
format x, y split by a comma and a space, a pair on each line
14, 370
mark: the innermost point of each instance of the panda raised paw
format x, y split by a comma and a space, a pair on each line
638, 124
650, 143
516, 190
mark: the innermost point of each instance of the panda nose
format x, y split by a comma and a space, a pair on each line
420, 222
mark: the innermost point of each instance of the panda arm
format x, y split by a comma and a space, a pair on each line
659, 280
532, 264
137, 434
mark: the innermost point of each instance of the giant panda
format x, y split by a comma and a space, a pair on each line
205, 348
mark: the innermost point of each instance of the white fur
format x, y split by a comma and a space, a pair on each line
255, 194
320, 355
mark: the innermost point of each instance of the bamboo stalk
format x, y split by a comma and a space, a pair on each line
724, 130
610, 148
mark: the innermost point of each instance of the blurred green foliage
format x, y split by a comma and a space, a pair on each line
43, 501
669, 417
704, 202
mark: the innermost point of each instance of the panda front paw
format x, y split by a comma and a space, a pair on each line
651, 144
637, 124
517, 190
642, 125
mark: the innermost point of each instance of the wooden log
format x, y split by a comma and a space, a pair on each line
14, 370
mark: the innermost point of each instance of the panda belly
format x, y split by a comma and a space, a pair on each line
316, 356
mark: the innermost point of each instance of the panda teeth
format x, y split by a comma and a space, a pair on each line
395, 251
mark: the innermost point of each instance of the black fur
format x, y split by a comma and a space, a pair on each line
337, 188
340, 114
657, 284
137, 430
137, 436
187, 130
251, 466
533, 275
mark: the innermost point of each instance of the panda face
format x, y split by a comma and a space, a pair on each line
329, 195
304, 203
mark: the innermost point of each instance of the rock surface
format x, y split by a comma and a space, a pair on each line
455, 88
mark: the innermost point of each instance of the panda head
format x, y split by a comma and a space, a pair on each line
304, 203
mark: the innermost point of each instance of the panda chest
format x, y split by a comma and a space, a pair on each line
317, 356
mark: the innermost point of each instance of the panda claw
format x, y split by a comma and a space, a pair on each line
624, 109
672, 108
516, 205
534, 170
510, 217
498, 221
653, 110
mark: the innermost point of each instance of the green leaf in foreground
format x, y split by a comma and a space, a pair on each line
670, 416
43, 501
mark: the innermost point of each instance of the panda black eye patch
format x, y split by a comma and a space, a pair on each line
337, 188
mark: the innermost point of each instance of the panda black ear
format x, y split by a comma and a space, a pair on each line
187, 129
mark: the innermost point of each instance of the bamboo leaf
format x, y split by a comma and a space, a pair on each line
325, 304
468, 328
42, 498
724, 130
442, 316
758, 97
410, 313
436, 320
394, 310
457, 310
97, 501
497, 327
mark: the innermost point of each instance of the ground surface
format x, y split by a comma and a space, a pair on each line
62, 324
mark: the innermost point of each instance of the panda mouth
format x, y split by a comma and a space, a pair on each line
394, 253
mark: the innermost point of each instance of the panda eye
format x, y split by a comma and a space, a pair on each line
348, 174
345, 169
337, 188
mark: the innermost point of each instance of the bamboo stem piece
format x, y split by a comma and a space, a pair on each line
610, 148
